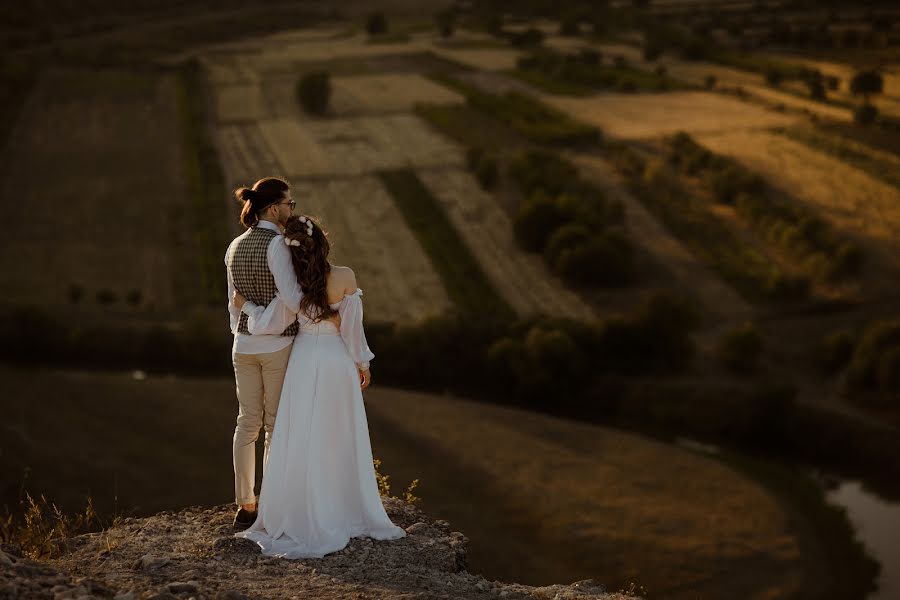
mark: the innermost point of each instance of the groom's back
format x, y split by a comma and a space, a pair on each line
247, 262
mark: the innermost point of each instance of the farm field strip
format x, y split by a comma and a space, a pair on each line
369, 234
853, 201
521, 278
110, 138
651, 115
387, 93
241, 102
355, 146
716, 296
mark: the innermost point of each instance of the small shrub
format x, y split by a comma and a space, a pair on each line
134, 297
487, 172
816, 89
565, 238
773, 77
865, 114
661, 70
528, 38
619, 61
445, 21
536, 220
878, 339
709, 81
569, 26
604, 260
834, 351
652, 50
889, 371
740, 349
314, 92
106, 297
732, 180
376, 23
76, 293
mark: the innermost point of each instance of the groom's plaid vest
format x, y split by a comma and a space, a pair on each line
249, 268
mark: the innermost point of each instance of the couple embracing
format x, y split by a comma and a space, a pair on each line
300, 354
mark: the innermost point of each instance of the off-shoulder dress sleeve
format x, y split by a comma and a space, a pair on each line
272, 319
352, 333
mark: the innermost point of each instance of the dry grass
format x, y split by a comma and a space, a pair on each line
239, 103
483, 59
356, 146
628, 508
97, 159
367, 94
650, 116
847, 197
369, 235
522, 279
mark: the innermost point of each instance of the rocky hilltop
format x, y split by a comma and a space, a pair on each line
193, 554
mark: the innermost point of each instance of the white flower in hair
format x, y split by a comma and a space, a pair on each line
309, 228
302, 219
289, 242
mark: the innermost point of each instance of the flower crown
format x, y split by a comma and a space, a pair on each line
309, 231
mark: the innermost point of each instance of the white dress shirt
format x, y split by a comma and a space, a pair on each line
278, 258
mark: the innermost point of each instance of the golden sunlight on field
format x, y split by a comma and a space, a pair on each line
653, 115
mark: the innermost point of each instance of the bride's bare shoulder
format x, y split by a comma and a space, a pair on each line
343, 277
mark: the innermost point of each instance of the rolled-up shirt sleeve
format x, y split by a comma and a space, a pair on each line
351, 311
282, 268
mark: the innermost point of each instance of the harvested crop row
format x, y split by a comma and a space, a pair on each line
369, 234
522, 279
356, 146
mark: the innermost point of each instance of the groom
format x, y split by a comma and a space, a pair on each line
259, 268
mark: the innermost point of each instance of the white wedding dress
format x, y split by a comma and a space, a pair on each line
319, 488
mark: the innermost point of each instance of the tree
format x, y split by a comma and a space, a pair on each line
314, 92
866, 83
376, 23
446, 22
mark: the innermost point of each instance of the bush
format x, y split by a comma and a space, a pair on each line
134, 297
376, 23
569, 26
314, 92
603, 260
619, 61
865, 114
889, 371
816, 89
540, 169
652, 50
76, 293
879, 339
740, 349
565, 238
536, 220
773, 77
106, 297
834, 351
732, 180
445, 21
487, 172
709, 81
528, 38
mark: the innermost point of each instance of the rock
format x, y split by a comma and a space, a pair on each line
415, 528
177, 587
5, 560
124, 596
231, 595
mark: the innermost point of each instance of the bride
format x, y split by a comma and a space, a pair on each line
319, 489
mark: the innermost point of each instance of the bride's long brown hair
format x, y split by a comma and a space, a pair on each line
310, 260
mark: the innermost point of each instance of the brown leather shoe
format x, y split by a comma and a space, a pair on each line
244, 518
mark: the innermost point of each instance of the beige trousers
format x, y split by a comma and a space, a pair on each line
259, 378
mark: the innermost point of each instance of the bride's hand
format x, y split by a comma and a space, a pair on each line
365, 378
238, 299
